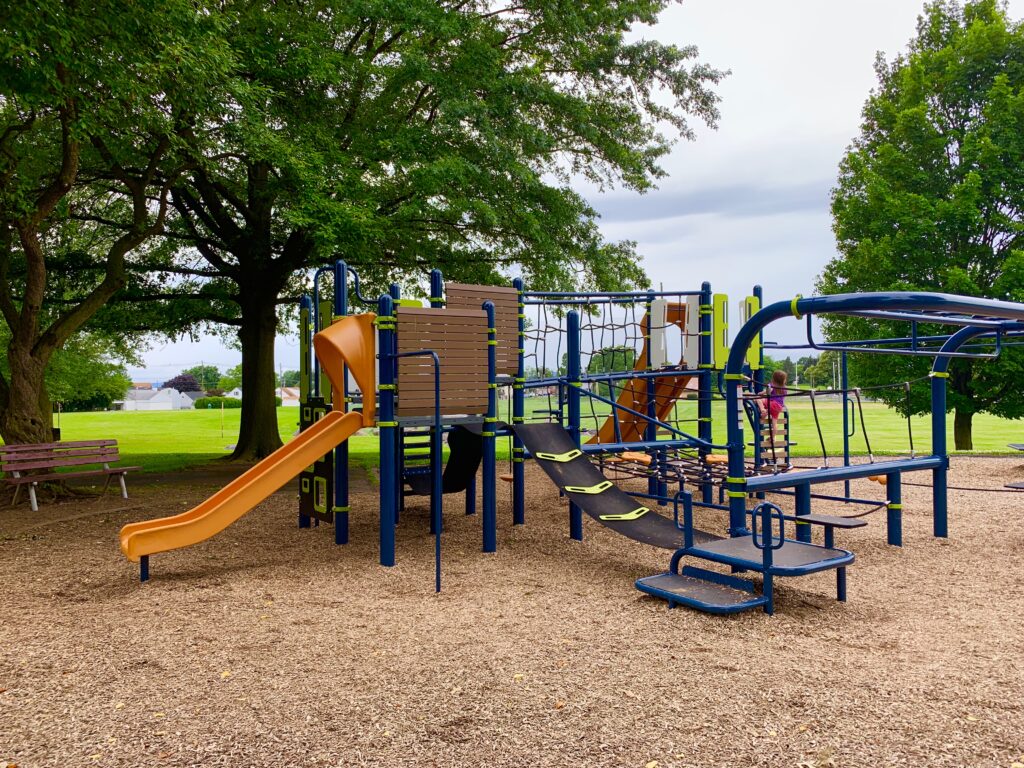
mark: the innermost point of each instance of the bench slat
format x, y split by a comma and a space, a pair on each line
68, 475
20, 447
57, 455
71, 461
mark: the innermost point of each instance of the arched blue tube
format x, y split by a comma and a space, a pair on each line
939, 374
825, 305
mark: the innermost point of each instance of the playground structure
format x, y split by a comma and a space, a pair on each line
615, 382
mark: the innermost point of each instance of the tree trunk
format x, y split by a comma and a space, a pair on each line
259, 435
28, 417
962, 439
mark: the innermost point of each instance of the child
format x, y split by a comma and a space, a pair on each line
776, 399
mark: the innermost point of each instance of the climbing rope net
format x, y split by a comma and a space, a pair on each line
615, 350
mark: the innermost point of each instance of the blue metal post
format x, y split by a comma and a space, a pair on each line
803, 507
388, 429
341, 505
758, 386
894, 507
395, 291
436, 476
573, 401
317, 323
305, 377
650, 430
490, 513
704, 383
518, 417
436, 288
940, 510
939, 374
844, 384
144, 568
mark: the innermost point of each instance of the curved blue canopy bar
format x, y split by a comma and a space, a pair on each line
978, 317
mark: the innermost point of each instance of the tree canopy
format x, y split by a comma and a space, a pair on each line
207, 376
930, 196
94, 101
183, 382
407, 136
216, 152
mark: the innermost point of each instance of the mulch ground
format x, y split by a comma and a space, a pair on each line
269, 646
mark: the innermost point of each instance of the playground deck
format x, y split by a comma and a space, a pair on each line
268, 645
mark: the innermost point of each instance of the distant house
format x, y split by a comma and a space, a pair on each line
148, 385
192, 397
153, 400
289, 396
235, 393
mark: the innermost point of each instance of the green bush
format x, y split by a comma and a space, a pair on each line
217, 402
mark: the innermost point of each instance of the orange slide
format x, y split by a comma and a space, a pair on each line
634, 395
349, 342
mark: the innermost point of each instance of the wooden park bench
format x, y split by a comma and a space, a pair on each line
33, 464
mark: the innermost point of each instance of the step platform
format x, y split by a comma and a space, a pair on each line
793, 558
702, 589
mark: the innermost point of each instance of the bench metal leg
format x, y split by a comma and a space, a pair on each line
107, 484
32, 500
17, 493
124, 487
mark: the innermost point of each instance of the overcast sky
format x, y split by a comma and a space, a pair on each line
748, 202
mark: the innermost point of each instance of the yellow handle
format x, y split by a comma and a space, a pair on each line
604, 485
636, 513
559, 457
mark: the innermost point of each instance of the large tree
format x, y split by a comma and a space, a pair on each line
94, 101
931, 197
426, 133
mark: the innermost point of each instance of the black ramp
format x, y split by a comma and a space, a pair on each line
647, 527
466, 449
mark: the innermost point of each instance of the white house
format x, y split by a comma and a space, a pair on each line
289, 396
153, 400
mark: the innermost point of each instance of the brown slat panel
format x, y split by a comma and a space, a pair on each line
448, 388
452, 366
414, 336
419, 398
427, 372
428, 397
506, 321
423, 411
477, 335
461, 289
447, 377
405, 313
444, 349
427, 409
500, 307
447, 321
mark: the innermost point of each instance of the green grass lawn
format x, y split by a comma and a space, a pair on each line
166, 441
